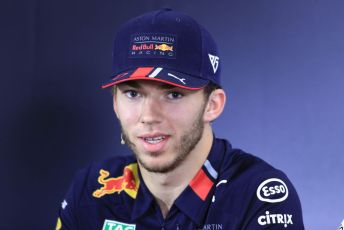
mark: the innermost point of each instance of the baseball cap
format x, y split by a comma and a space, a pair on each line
166, 46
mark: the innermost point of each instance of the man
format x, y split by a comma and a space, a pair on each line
166, 93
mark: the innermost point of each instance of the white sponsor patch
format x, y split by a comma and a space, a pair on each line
268, 219
272, 190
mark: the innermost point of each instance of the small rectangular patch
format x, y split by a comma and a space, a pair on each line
141, 72
201, 184
116, 225
153, 46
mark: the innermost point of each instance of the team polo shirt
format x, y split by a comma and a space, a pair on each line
232, 190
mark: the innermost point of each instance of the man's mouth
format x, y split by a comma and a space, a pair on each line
154, 140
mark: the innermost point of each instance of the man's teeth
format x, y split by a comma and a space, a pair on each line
154, 140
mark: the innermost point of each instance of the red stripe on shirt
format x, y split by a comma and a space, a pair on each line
201, 184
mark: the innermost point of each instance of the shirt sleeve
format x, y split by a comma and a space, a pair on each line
67, 217
274, 204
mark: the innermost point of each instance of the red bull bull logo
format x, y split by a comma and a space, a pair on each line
164, 47
129, 182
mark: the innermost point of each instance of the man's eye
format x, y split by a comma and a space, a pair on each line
131, 93
174, 95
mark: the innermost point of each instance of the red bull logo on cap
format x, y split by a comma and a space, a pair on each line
129, 182
164, 47
153, 45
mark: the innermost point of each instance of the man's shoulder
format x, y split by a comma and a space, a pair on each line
240, 165
250, 172
243, 169
250, 188
101, 188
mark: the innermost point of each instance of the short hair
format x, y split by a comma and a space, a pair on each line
209, 88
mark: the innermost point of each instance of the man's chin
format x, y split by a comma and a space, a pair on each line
156, 165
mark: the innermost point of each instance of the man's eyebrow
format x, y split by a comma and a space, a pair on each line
132, 84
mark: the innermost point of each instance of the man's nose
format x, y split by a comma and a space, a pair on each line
151, 111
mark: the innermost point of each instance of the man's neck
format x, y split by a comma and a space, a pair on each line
166, 187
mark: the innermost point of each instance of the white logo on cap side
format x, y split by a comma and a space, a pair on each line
214, 60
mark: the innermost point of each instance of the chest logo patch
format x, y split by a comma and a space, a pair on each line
116, 225
270, 218
129, 182
272, 190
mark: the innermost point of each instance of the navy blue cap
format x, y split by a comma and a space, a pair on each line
166, 46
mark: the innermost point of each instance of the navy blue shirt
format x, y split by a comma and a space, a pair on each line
232, 190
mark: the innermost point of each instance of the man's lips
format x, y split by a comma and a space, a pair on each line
154, 142
154, 138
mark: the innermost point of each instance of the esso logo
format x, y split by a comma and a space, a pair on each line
272, 190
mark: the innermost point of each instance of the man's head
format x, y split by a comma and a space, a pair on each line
163, 124
166, 88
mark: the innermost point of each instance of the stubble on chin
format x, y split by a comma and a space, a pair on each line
187, 143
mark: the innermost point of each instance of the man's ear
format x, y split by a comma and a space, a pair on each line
114, 101
215, 105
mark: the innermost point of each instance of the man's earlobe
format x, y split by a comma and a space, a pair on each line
215, 106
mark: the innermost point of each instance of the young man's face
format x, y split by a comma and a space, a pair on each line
160, 123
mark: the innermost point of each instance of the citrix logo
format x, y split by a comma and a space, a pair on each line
275, 219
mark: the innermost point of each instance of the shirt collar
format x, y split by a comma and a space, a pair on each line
143, 201
196, 198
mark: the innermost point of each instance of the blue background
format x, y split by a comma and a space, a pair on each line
283, 70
